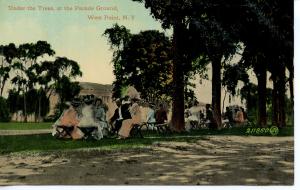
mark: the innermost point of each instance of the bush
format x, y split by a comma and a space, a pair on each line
4, 110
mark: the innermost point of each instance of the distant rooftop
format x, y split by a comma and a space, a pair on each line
96, 87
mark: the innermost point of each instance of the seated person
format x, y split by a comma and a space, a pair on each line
127, 124
100, 110
192, 120
69, 118
120, 114
228, 115
210, 118
151, 116
161, 115
87, 118
239, 117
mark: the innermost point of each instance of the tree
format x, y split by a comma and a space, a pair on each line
270, 47
144, 62
4, 110
25, 64
57, 76
7, 53
173, 14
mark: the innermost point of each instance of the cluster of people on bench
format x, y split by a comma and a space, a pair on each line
90, 112
235, 115
83, 112
129, 114
194, 116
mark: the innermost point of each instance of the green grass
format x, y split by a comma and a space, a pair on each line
24, 126
40, 143
45, 143
240, 131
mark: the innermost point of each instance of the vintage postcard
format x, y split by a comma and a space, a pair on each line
147, 92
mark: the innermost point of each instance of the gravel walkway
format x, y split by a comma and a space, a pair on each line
24, 132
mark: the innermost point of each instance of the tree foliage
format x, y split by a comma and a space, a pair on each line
142, 60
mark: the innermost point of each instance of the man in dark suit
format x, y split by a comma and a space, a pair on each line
121, 113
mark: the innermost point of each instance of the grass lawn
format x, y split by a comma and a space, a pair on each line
40, 143
24, 126
46, 142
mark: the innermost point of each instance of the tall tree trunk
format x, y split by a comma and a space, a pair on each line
275, 107
223, 106
216, 89
25, 108
39, 114
281, 97
262, 89
2, 87
291, 85
177, 121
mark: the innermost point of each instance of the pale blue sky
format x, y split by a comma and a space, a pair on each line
70, 33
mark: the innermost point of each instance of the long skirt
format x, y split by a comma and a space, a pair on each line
127, 126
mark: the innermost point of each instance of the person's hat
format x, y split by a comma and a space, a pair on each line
88, 99
76, 102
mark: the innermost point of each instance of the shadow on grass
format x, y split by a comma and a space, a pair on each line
210, 161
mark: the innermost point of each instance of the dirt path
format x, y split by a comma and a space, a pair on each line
24, 132
214, 160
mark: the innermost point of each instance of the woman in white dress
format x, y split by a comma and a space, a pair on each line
151, 116
87, 119
192, 118
100, 115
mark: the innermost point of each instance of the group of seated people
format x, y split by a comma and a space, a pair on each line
82, 113
128, 114
89, 112
235, 115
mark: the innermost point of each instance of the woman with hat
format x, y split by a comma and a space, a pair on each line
135, 113
69, 118
87, 117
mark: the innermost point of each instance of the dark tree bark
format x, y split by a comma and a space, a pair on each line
291, 85
25, 108
216, 89
275, 106
281, 97
177, 120
262, 89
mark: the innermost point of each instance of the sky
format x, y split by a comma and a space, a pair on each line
74, 36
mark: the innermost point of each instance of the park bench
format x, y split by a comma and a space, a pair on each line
136, 130
64, 131
162, 128
88, 131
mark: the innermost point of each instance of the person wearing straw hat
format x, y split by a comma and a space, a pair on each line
135, 113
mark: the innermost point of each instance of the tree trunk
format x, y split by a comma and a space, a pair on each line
223, 106
291, 84
275, 108
39, 115
177, 121
281, 97
2, 87
25, 108
216, 89
262, 89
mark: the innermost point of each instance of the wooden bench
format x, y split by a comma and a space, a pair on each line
136, 130
64, 131
162, 128
87, 131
